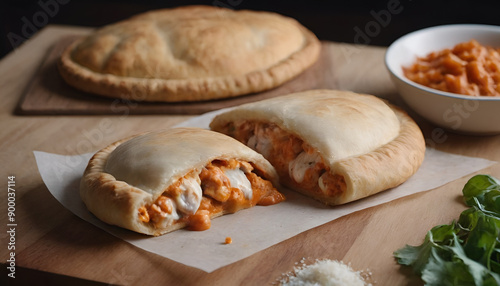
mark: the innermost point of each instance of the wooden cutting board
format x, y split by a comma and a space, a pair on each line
48, 94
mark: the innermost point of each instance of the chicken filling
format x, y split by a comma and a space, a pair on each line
222, 186
297, 163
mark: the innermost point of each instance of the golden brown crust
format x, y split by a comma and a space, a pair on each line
114, 62
112, 201
383, 168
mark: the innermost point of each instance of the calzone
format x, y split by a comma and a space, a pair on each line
189, 53
334, 146
161, 181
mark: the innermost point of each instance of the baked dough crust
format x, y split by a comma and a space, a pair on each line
373, 145
134, 172
191, 53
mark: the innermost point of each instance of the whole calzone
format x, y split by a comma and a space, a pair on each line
334, 146
190, 53
161, 181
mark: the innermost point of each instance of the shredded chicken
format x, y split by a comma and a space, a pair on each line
227, 186
297, 163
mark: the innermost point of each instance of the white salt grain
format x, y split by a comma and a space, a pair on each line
325, 273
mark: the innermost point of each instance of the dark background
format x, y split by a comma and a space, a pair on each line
339, 21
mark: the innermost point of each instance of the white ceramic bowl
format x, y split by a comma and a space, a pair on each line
455, 112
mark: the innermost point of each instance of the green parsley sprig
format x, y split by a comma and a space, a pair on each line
467, 251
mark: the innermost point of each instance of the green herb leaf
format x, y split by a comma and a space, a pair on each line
418, 256
483, 191
466, 252
442, 271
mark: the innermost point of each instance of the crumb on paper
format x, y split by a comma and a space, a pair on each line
228, 240
324, 272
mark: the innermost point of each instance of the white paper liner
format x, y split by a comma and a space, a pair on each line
251, 230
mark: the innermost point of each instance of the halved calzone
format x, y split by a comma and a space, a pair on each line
334, 146
189, 54
158, 182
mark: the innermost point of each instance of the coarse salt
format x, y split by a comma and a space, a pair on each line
324, 273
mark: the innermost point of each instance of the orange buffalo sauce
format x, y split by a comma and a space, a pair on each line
468, 68
219, 197
282, 148
199, 221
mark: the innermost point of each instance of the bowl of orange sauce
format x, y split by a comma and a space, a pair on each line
450, 75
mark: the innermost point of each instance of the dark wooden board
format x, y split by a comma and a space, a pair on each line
48, 94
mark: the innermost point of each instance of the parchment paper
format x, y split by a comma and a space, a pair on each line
251, 230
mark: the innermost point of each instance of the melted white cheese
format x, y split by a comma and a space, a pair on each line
297, 168
189, 199
321, 183
239, 180
261, 144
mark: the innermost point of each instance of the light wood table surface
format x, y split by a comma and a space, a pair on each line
60, 246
